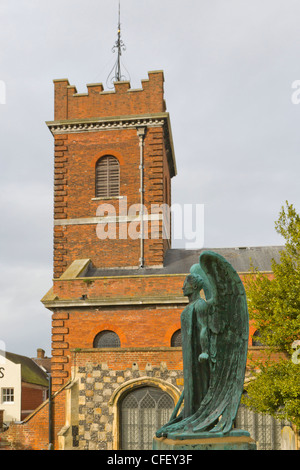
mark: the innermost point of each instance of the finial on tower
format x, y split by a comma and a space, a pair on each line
119, 46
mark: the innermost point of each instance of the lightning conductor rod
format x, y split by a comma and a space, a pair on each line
141, 131
119, 47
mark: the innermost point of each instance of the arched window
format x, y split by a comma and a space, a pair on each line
255, 339
176, 341
107, 177
107, 339
143, 411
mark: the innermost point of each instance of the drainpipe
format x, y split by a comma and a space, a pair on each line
51, 447
141, 131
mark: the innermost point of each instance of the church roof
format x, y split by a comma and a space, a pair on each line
179, 261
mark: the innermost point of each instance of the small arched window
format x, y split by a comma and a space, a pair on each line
176, 341
107, 339
255, 339
107, 177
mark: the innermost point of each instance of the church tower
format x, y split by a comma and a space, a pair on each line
114, 161
116, 297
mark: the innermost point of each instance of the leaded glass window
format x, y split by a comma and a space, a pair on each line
107, 339
263, 428
143, 411
176, 341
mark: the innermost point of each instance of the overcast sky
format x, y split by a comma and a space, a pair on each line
229, 68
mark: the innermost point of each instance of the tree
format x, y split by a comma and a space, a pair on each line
274, 305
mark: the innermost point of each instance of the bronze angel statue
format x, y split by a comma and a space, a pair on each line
214, 347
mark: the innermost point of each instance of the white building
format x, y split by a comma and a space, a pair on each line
23, 386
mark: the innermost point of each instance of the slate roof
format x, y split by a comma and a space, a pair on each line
30, 371
43, 362
179, 261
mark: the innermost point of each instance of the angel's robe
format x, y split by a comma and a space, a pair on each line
196, 374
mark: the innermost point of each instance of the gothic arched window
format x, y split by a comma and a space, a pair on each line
143, 411
107, 177
107, 339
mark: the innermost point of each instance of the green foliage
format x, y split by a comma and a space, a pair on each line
274, 305
276, 391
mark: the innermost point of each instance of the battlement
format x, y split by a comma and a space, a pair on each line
122, 101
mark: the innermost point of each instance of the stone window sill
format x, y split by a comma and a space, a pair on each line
106, 198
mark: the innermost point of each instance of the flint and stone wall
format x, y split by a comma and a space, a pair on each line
100, 389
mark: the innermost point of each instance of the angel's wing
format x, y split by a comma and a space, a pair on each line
229, 330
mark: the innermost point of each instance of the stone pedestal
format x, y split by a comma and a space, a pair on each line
216, 443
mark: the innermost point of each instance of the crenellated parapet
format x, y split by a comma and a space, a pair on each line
122, 101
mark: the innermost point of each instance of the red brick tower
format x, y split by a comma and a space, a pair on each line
113, 156
121, 140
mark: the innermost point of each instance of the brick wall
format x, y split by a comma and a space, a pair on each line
33, 432
32, 397
120, 287
136, 327
123, 102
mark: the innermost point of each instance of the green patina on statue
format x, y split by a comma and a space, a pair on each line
214, 347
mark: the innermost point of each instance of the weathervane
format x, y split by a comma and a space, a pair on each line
119, 46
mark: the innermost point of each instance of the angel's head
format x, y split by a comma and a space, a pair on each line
193, 283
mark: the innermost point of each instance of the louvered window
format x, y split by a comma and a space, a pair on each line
107, 177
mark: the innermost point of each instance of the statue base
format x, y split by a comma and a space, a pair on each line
207, 443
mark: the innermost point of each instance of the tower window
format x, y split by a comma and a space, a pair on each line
107, 177
107, 339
